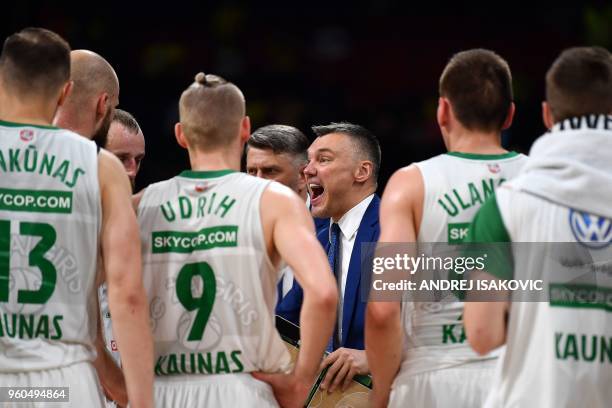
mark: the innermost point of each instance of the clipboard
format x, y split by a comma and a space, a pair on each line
355, 396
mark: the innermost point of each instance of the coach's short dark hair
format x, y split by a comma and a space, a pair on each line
366, 141
127, 120
281, 139
478, 84
35, 61
579, 82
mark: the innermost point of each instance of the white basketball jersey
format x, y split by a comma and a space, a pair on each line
559, 352
211, 285
49, 226
455, 186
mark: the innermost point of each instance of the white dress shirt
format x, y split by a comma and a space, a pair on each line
349, 224
287, 276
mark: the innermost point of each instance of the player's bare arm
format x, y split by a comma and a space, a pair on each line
485, 325
290, 235
120, 243
136, 199
402, 198
109, 373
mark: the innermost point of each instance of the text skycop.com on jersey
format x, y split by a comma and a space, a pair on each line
564, 274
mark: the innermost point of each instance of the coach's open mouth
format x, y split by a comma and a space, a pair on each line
316, 193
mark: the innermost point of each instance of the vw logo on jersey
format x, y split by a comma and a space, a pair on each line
590, 230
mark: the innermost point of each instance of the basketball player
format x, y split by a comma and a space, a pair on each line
212, 242
126, 141
88, 111
559, 351
63, 203
432, 201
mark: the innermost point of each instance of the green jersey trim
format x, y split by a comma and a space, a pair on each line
205, 174
475, 156
14, 124
488, 227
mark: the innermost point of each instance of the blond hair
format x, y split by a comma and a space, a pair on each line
211, 112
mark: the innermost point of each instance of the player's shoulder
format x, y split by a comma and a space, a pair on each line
516, 157
436, 167
522, 159
73, 138
522, 156
108, 164
239, 178
219, 177
434, 160
475, 158
404, 188
29, 132
406, 172
405, 179
251, 186
157, 189
277, 191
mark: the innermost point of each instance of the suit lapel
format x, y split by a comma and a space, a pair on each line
323, 236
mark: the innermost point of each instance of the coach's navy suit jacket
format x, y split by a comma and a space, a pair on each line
289, 306
353, 313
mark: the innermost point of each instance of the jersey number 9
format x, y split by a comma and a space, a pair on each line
202, 304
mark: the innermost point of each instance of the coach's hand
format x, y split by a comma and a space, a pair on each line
345, 364
289, 390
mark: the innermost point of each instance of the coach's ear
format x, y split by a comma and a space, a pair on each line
180, 136
509, 116
364, 171
245, 130
547, 116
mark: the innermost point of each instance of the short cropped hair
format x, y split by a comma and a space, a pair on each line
367, 143
281, 139
579, 82
35, 61
127, 120
211, 112
478, 84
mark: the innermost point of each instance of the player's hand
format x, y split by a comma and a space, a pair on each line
379, 398
289, 390
110, 375
345, 364
115, 390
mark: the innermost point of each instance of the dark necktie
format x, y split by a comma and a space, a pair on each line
332, 256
